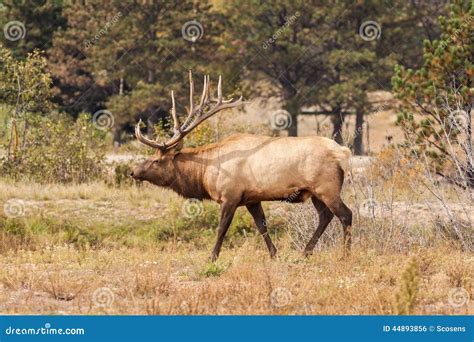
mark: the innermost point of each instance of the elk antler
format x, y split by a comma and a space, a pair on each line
196, 114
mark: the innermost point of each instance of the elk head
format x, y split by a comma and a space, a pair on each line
159, 168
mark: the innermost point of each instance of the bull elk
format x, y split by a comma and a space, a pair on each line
245, 169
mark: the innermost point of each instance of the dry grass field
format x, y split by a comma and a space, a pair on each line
100, 249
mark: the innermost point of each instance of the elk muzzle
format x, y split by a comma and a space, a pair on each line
139, 171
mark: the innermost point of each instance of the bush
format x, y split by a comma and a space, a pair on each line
57, 149
122, 177
212, 269
408, 290
436, 100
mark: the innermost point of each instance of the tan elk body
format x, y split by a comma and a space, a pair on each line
245, 170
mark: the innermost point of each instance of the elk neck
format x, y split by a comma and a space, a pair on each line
189, 168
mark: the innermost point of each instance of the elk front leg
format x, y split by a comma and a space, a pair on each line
258, 215
227, 214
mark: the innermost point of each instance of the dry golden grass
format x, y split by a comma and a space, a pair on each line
179, 280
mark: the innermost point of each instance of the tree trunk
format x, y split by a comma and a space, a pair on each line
117, 133
338, 121
117, 137
359, 133
121, 86
150, 126
293, 107
25, 129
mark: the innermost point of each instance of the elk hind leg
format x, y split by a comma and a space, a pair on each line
325, 217
344, 214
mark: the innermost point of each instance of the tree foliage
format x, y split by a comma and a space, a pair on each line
25, 88
127, 55
37, 22
437, 99
315, 54
58, 149
25, 84
43, 145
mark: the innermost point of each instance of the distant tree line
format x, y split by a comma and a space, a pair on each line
125, 56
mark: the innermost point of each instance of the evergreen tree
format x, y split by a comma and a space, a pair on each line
127, 55
314, 52
437, 99
30, 25
76, 87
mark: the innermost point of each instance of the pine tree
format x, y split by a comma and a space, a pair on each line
314, 54
126, 56
32, 25
437, 99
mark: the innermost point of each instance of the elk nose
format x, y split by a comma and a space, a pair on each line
131, 174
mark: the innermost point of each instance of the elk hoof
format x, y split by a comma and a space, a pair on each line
273, 253
213, 257
307, 253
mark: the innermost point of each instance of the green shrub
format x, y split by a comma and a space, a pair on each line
122, 175
212, 269
57, 149
408, 289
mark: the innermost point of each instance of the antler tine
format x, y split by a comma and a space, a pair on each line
219, 90
216, 108
144, 139
191, 92
208, 91
176, 128
192, 110
196, 115
204, 92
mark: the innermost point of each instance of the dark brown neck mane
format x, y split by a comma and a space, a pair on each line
189, 167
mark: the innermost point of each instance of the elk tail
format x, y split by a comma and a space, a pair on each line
344, 159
